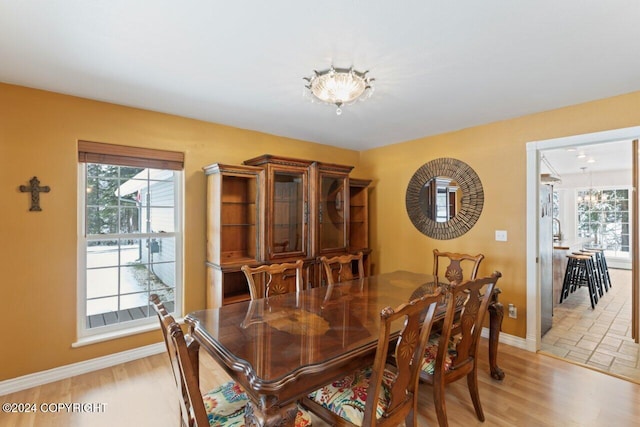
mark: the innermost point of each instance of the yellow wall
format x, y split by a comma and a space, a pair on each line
497, 152
38, 255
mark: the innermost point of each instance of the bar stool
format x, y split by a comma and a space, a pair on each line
595, 270
579, 273
601, 262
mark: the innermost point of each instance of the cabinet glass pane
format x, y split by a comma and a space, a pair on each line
332, 213
288, 212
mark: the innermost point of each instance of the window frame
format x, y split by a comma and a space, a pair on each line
85, 334
615, 254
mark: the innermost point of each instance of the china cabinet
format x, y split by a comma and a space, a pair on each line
234, 226
275, 209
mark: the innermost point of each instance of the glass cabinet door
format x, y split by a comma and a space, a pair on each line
333, 213
289, 210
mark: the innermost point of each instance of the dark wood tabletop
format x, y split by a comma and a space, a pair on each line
283, 347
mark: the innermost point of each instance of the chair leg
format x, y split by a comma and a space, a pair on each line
411, 420
441, 408
472, 382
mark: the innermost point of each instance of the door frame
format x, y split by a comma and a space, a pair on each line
533, 149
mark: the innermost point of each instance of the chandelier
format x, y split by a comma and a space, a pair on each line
339, 86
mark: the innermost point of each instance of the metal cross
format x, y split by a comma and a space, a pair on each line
35, 191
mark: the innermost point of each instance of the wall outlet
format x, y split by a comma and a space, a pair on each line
501, 235
513, 311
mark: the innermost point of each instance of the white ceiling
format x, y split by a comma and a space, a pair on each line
439, 66
604, 157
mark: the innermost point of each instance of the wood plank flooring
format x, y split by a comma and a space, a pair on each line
538, 390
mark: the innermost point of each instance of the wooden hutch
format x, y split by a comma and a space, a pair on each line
274, 209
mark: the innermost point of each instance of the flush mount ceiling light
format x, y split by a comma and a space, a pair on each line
339, 86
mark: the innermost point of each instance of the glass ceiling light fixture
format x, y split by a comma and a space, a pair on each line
339, 86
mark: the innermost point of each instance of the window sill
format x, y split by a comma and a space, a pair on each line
113, 335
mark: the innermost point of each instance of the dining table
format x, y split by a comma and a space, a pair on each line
281, 348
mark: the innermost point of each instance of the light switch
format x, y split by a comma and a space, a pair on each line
501, 235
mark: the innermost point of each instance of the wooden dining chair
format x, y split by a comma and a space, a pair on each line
382, 395
453, 271
452, 354
274, 279
342, 268
162, 312
222, 406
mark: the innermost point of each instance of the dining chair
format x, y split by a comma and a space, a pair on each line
222, 406
382, 394
162, 312
453, 271
342, 268
274, 279
452, 354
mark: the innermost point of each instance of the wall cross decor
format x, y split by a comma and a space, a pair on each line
35, 190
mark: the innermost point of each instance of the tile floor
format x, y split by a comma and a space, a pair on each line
598, 338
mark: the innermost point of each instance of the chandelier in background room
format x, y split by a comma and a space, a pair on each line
339, 86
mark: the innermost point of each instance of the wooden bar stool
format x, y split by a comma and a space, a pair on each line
579, 273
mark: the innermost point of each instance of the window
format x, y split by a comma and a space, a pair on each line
130, 235
603, 216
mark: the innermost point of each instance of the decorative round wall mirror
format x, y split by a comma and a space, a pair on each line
444, 198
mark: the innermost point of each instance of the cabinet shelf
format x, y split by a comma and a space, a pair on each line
233, 298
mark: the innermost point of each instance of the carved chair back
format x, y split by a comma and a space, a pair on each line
343, 268
184, 370
450, 265
391, 388
274, 279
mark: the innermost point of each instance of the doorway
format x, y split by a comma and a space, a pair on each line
536, 160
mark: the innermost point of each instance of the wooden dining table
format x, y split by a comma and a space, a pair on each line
279, 349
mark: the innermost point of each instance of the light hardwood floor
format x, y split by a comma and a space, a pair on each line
538, 390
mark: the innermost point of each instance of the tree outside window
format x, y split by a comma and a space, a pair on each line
603, 217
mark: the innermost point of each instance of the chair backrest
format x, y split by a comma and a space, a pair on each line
342, 268
274, 279
418, 317
453, 272
465, 325
185, 374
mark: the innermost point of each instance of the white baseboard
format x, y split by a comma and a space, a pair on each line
511, 340
32, 380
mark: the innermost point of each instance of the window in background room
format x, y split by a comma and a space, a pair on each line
603, 216
130, 237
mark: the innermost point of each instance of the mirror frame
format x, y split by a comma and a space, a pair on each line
471, 203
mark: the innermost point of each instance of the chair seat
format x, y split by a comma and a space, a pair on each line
347, 397
225, 407
430, 353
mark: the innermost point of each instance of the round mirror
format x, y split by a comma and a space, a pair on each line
444, 198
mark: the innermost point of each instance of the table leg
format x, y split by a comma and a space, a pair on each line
496, 314
273, 416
